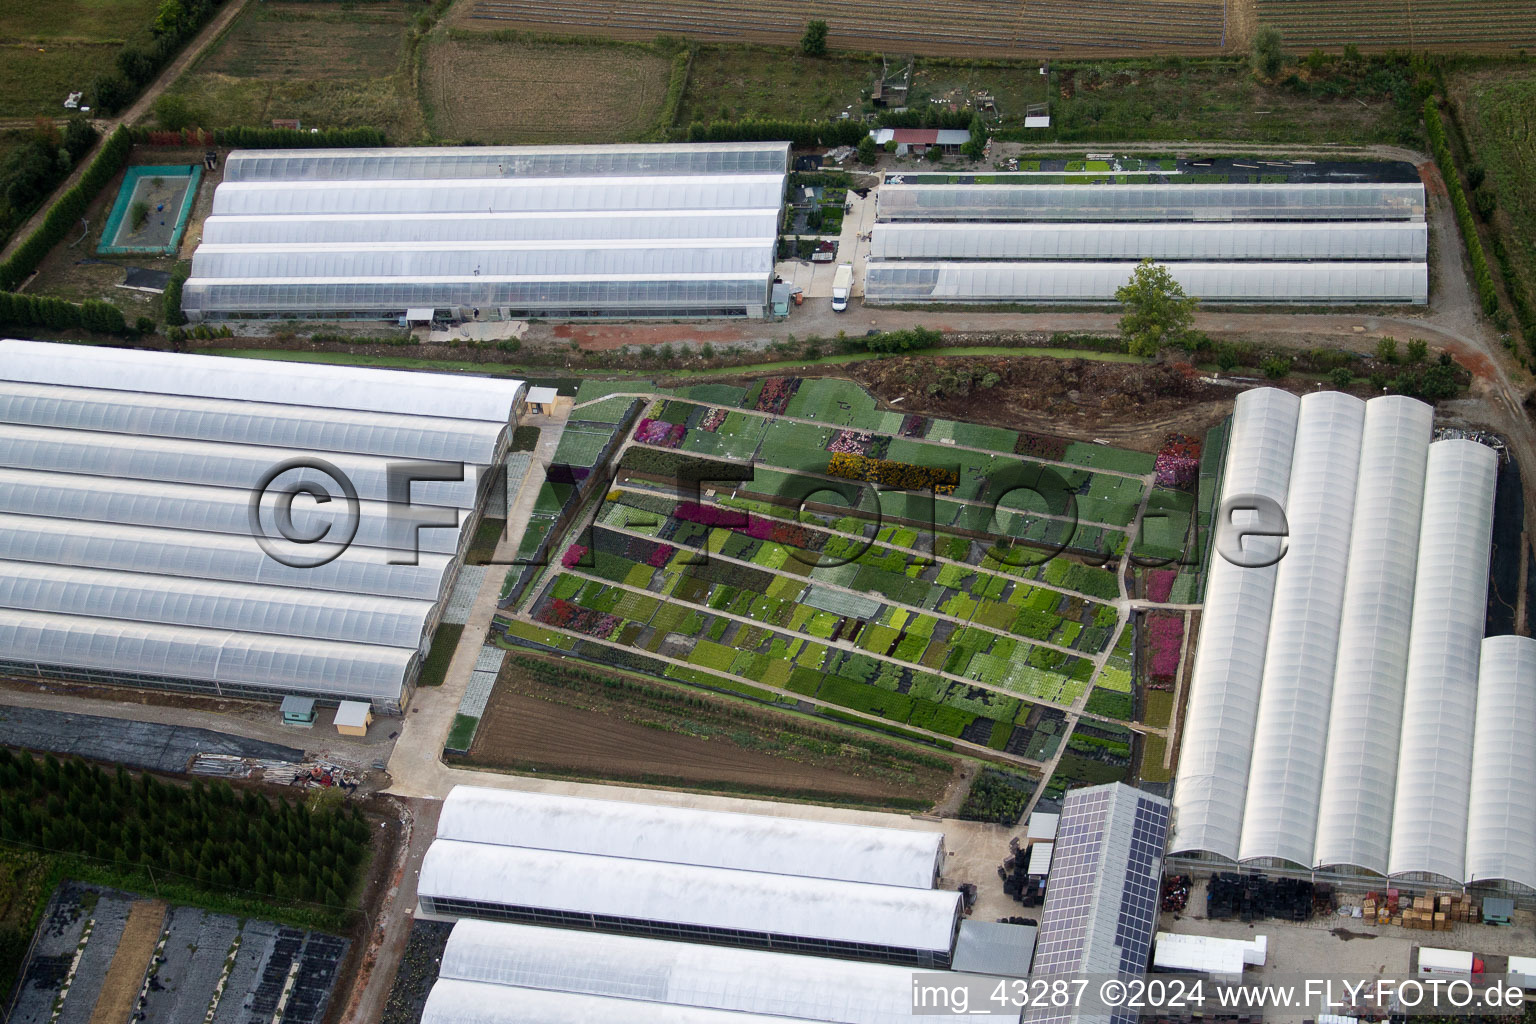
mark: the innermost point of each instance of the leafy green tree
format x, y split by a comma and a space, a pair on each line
1341, 378
1386, 350
813, 43
1268, 51
867, 150
1417, 350
1226, 359
1157, 312
933, 154
976, 146
1276, 367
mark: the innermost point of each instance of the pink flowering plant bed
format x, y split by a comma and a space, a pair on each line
660, 433
1165, 635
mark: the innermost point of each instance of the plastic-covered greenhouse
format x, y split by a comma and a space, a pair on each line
747, 842
1450, 602
678, 974
1297, 685
565, 231
471, 1002
1323, 240
901, 281
1375, 712
1501, 830
1354, 823
1366, 201
1211, 784
127, 549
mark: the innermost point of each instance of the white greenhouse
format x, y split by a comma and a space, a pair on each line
1354, 823
786, 913
1269, 283
1364, 201
1375, 712
1501, 830
1434, 764
1297, 685
679, 974
1210, 788
473, 1002
510, 232
1204, 241
127, 547
681, 835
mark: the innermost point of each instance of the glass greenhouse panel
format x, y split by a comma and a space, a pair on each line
386, 198
206, 419
1434, 763
1311, 283
1174, 202
1280, 819
1360, 766
574, 226
1501, 829
1210, 788
507, 161
219, 656
916, 240
211, 604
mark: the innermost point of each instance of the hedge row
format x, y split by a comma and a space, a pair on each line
676, 86
801, 134
60, 314
175, 22
174, 317
1447, 163
65, 214
290, 138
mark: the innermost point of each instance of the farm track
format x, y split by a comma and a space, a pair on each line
944, 27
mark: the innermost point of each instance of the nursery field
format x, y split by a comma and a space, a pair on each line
1474, 26
938, 580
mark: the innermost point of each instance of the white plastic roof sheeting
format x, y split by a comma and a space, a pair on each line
681, 835
1209, 790
472, 1002
507, 161
812, 908
1290, 734
212, 604
1354, 821
490, 260
1171, 202
215, 556
604, 225
1186, 241
458, 195
192, 507
207, 419
1434, 770
319, 667
1501, 829
1279, 282
457, 396
679, 973
181, 460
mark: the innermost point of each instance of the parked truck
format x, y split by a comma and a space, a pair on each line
842, 286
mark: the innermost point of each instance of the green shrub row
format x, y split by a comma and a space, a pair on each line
64, 216
1441, 147
672, 105
23, 310
292, 138
175, 22
171, 299
802, 134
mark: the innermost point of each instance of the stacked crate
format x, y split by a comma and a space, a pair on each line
1431, 912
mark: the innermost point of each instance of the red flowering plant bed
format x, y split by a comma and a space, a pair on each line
1178, 461
1041, 446
573, 555
1160, 584
756, 527
776, 393
913, 425
565, 615
660, 555
851, 442
660, 433
1165, 634
712, 420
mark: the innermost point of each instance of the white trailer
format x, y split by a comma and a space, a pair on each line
1434, 961
842, 286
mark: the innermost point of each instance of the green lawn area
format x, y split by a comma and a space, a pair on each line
444, 642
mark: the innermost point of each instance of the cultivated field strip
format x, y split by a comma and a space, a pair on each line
944, 27
1489, 26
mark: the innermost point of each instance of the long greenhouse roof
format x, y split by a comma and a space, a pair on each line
750, 842
509, 161
473, 1002
526, 226
684, 894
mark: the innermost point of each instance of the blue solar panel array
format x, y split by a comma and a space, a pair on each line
1139, 898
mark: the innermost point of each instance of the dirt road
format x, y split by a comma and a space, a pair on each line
140, 108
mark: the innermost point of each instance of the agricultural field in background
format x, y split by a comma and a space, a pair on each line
939, 634
484, 89
727, 83
1493, 107
327, 65
48, 50
1501, 27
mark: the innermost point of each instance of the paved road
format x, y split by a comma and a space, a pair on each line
136, 112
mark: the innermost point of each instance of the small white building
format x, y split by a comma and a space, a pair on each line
1208, 954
